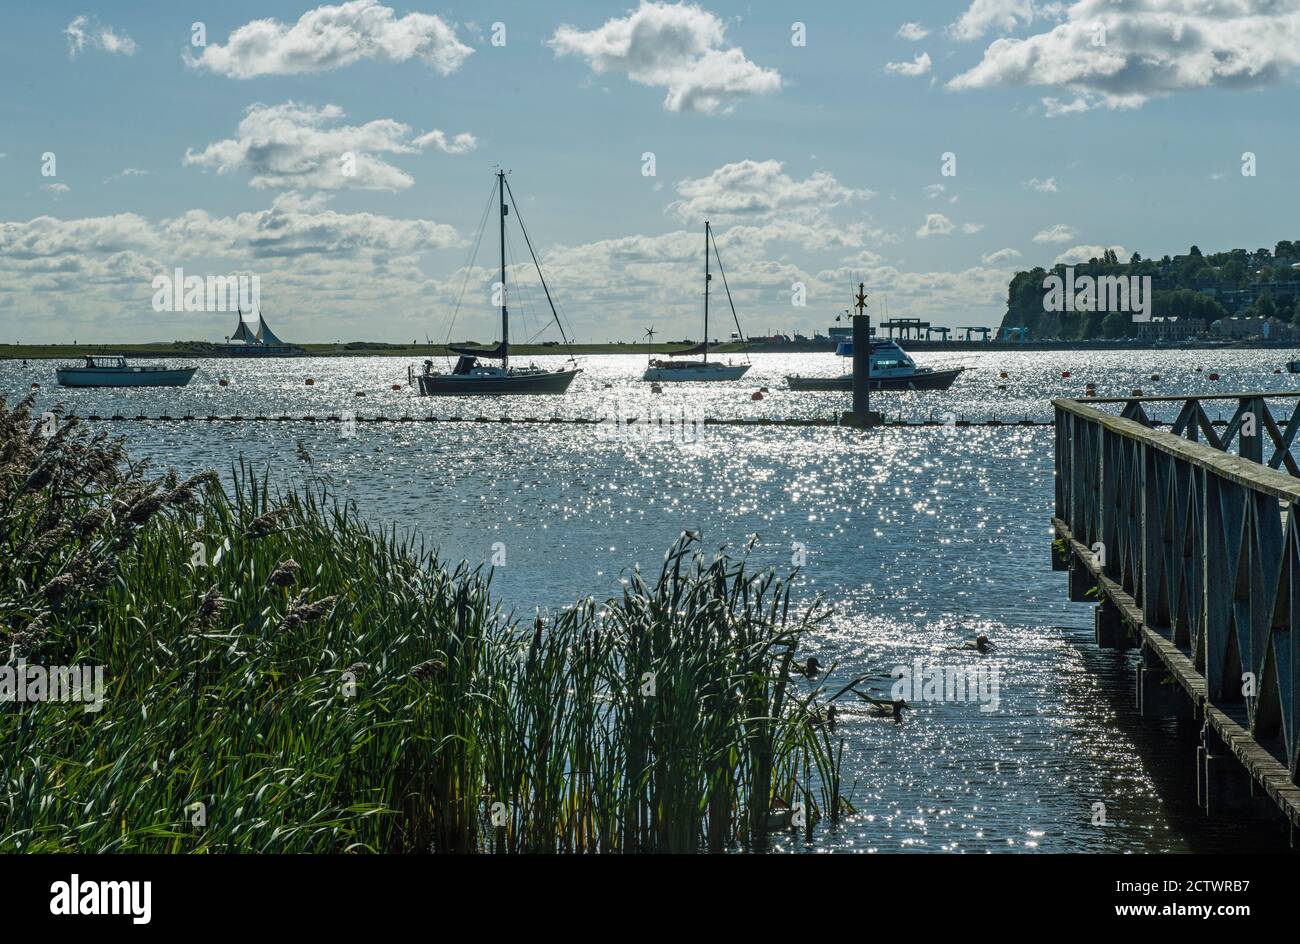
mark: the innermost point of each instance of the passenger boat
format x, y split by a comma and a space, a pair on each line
114, 371
471, 376
892, 368
660, 370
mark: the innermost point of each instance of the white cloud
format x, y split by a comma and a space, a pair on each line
86, 32
462, 143
931, 295
759, 189
1149, 48
936, 224
1060, 233
934, 191
1078, 254
1041, 186
293, 146
330, 37
129, 172
971, 228
1000, 257
679, 47
93, 276
985, 15
913, 32
919, 65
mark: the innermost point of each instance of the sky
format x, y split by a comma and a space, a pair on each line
344, 154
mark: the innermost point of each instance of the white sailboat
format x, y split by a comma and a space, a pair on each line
661, 370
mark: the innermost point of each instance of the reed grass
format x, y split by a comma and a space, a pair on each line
282, 677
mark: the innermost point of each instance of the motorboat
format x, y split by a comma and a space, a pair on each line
114, 371
892, 368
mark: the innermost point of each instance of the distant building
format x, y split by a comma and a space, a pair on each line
1270, 329
1170, 329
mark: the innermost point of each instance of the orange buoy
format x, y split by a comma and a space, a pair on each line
1214, 376
311, 381
223, 382
1277, 370
397, 386
1064, 374
36, 386
756, 395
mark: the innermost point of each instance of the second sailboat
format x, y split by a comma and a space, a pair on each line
705, 369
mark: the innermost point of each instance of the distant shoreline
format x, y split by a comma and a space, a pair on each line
379, 348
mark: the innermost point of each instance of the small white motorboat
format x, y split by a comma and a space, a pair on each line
114, 371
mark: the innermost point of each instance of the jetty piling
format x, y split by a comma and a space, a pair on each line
862, 416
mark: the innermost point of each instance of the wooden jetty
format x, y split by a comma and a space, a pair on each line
1191, 551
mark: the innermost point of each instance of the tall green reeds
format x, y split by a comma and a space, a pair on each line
282, 677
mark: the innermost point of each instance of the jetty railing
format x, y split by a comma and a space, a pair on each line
1195, 553
1252, 413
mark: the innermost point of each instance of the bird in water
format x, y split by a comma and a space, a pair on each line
889, 709
979, 644
828, 719
808, 669
882, 708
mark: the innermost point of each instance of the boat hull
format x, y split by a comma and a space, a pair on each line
695, 374
932, 380
131, 377
453, 385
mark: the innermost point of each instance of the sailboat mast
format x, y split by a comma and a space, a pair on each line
505, 317
707, 277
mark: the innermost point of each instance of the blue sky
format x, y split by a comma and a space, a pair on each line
815, 162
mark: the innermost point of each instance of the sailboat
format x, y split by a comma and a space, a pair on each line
259, 342
704, 369
470, 375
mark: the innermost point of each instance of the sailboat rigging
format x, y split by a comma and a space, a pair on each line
470, 376
704, 369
